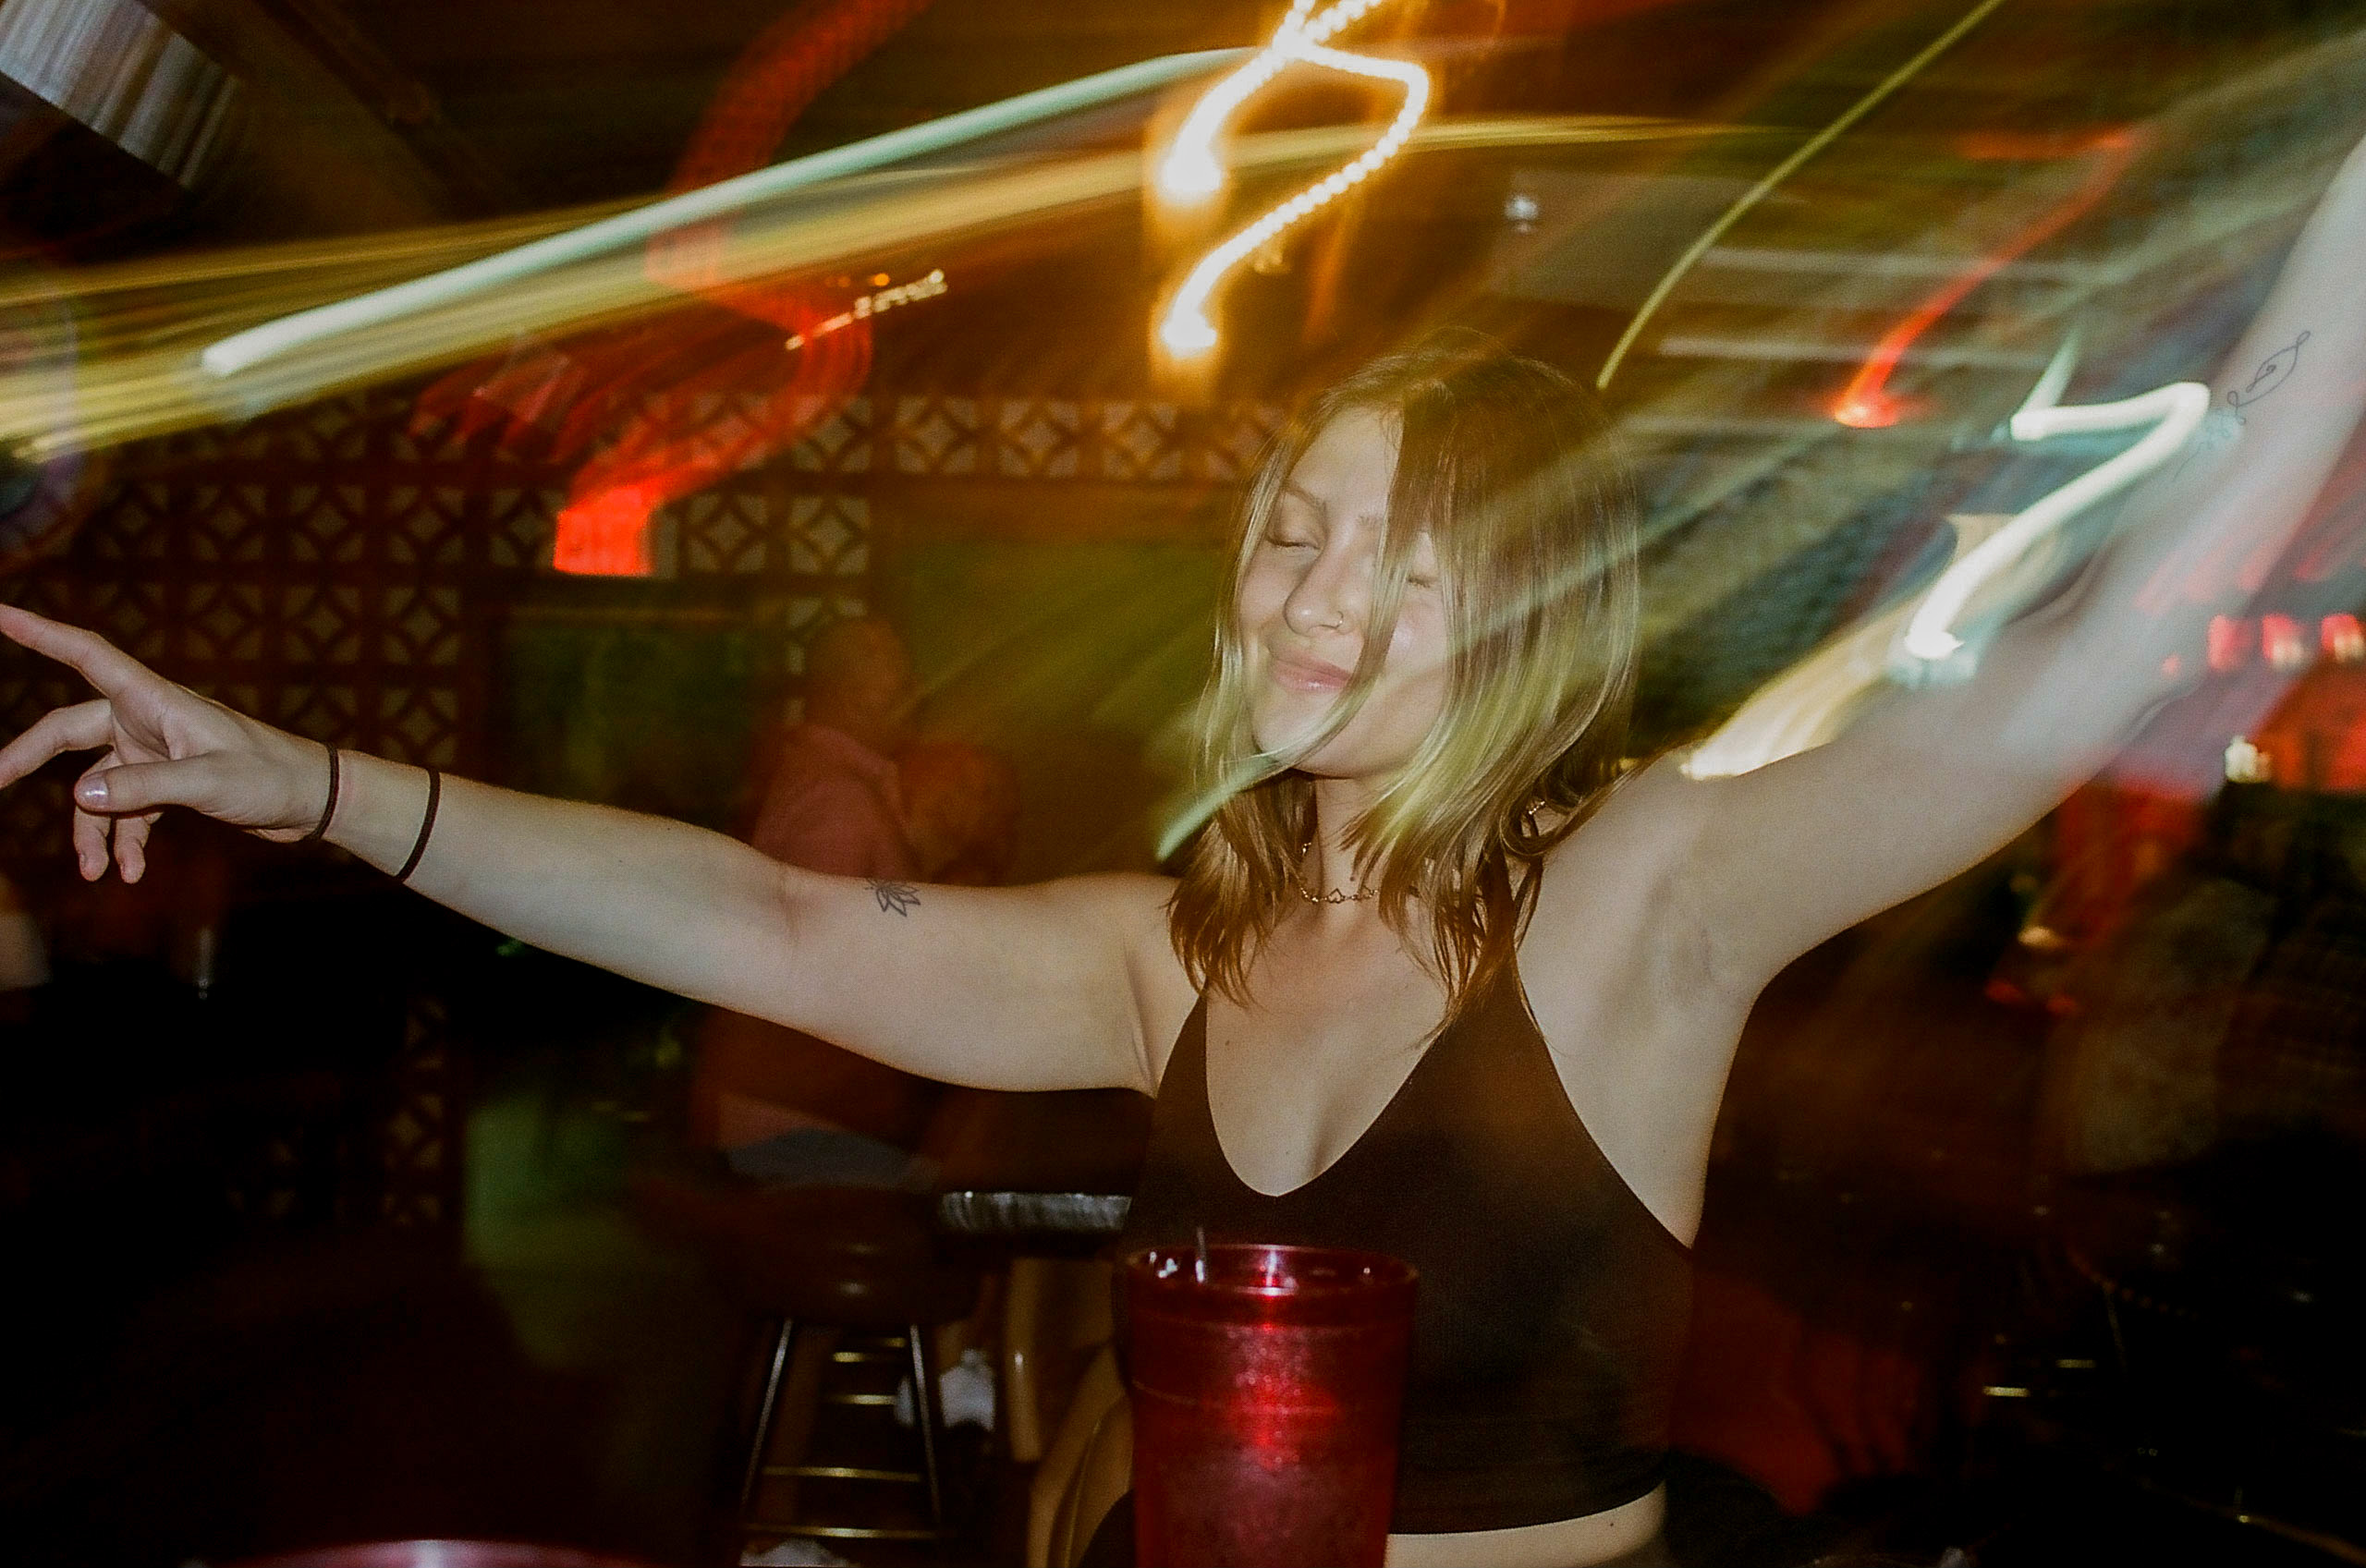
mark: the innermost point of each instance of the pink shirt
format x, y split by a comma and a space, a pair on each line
834, 805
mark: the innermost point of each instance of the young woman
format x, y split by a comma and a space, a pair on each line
1429, 984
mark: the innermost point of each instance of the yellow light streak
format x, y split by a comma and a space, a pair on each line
259, 344
1777, 175
131, 368
1190, 168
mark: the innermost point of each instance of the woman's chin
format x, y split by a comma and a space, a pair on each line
1277, 734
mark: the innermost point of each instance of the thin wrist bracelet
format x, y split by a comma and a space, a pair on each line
328, 813
426, 825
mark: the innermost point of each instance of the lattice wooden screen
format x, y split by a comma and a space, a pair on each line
334, 572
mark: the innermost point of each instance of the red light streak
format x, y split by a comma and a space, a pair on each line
1866, 403
704, 426
666, 381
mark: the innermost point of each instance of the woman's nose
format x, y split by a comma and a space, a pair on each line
1331, 597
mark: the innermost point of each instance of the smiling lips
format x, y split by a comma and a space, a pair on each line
1293, 672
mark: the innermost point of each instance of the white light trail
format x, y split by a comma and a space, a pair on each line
1191, 170
1814, 700
272, 339
1928, 650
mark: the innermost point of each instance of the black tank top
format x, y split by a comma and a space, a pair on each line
1550, 1314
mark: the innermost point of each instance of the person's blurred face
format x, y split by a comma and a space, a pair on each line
1304, 597
862, 683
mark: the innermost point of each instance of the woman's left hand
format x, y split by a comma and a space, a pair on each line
162, 745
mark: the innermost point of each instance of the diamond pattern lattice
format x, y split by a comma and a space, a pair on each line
329, 569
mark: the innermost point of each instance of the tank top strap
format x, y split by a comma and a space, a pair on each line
1185, 1077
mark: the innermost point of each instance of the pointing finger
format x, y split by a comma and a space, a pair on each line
82, 727
107, 666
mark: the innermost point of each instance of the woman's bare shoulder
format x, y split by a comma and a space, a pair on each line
1131, 907
1618, 883
1133, 896
1647, 814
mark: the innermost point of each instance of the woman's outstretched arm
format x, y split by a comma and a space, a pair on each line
1931, 781
1023, 988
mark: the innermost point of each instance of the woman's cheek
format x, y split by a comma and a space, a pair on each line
1258, 600
1419, 648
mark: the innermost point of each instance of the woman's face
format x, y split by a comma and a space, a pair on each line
1306, 594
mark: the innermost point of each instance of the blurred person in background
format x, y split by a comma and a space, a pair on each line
1438, 979
835, 802
784, 1105
960, 811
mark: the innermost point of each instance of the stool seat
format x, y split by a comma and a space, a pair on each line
855, 1258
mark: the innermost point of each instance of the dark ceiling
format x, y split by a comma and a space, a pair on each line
358, 115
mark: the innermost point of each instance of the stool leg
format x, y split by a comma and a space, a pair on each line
930, 1419
765, 1412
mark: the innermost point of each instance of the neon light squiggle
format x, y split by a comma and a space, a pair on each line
1927, 650
1190, 168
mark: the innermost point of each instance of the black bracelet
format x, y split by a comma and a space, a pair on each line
320, 828
426, 825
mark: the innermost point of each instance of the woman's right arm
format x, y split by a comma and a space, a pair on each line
1025, 988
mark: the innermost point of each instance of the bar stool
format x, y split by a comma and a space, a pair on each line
861, 1260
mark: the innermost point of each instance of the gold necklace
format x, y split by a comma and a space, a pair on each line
1337, 895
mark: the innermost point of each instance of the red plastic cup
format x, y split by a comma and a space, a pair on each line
1268, 1383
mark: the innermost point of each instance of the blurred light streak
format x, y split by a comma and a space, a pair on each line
113, 66
1866, 402
663, 451
869, 305
141, 377
1189, 167
1928, 648
1813, 702
2159, 273
1776, 176
718, 419
2344, 642
778, 77
444, 290
1879, 263
1758, 351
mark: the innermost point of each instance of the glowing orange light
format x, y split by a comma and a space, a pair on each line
668, 448
1191, 170
1866, 403
2342, 640
607, 533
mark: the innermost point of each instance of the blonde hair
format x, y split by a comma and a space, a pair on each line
1509, 467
